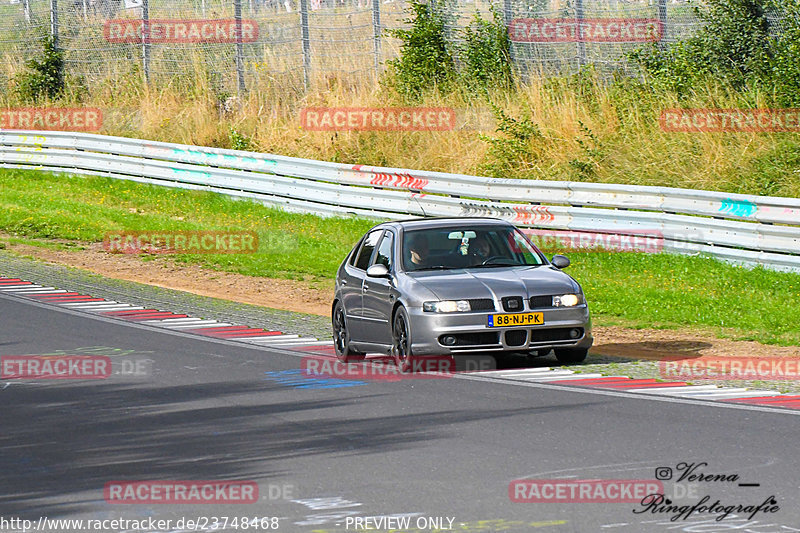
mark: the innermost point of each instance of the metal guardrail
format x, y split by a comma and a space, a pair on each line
753, 230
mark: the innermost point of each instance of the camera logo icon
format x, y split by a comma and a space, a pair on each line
663, 473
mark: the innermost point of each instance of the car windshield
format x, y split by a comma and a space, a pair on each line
454, 247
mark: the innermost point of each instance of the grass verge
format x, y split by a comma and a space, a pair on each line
635, 290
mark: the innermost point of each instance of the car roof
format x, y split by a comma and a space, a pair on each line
443, 222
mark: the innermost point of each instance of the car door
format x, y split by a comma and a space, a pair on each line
353, 281
378, 295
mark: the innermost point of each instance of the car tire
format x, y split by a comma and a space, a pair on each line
401, 341
571, 356
341, 336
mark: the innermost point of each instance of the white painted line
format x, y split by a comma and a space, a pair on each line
516, 370
118, 307
759, 393
664, 390
266, 338
205, 324
31, 288
21, 285
539, 374
92, 304
557, 378
57, 292
729, 395
176, 321
293, 342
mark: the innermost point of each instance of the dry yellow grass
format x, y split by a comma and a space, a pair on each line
620, 140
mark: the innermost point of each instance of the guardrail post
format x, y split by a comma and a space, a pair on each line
376, 34
146, 41
306, 43
237, 14
54, 22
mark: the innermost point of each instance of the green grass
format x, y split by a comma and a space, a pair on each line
636, 290
39, 205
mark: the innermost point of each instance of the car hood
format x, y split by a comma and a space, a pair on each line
496, 282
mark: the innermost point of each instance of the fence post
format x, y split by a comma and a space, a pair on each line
376, 34
306, 43
237, 14
54, 22
508, 13
578, 33
26, 10
662, 18
146, 40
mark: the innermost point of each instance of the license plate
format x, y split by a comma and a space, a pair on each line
516, 319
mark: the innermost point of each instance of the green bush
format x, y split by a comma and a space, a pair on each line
511, 155
736, 47
485, 54
425, 61
45, 77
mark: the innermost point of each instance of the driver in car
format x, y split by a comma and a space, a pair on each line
419, 251
479, 248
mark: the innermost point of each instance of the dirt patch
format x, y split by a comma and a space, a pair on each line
288, 295
301, 297
658, 344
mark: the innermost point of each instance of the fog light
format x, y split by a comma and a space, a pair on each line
448, 340
574, 333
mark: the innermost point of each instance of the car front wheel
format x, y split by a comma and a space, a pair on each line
571, 356
341, 337
401, 341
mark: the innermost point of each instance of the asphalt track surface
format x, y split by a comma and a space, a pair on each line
324, 455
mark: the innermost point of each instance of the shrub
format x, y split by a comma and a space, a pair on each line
45, 77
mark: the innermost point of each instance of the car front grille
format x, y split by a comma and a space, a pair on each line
538, 302
516, 337
481, 304
512, 304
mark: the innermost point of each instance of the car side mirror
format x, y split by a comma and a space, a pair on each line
560, 261
378, 271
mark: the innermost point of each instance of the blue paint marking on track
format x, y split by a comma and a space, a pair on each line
298, 379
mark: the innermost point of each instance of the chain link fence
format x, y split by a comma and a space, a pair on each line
234, 45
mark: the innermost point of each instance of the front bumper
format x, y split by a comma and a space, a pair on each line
474, 335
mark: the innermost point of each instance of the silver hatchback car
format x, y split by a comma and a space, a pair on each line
450, 286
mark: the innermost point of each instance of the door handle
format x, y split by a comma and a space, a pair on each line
366, 287
344, 282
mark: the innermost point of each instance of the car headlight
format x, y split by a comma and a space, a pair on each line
568, 300
447, 306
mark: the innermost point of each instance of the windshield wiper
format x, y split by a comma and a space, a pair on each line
436, 267
490, 265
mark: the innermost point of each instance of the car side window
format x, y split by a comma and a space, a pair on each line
384, 255
367, 248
